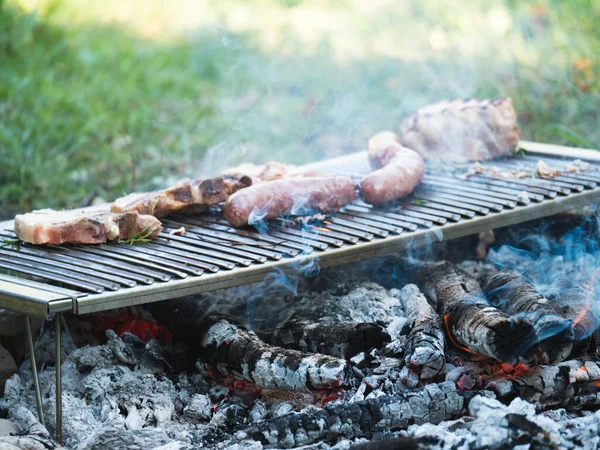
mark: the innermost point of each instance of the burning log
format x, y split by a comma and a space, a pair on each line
471, 322
342, 340
575, 302
513, 294
232, 348
425, 350
571, 384
433, 403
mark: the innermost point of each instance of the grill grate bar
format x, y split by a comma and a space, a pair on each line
431, 211
105, 280
313, 234
167, 273
385, 216
551, 181
510, 193
495, 196
36, 265
369, 221
176, 259
359, 227
46, 253
495, 204
240, 236
50, 276
139, 268
519, 184
207, 236
234, 251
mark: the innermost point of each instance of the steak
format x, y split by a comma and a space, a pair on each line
47, 226
462, 130
194, 195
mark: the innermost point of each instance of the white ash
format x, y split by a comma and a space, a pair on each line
342, 302
493, 425
114, 396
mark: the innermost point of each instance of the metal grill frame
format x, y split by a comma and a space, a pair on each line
39, 299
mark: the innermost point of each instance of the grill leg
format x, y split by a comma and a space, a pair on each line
57, 363
34, 372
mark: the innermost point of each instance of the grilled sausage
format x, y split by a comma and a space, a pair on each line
399, 170
295, 195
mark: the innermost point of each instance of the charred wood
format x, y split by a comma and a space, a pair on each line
395, 443
571, 384
471, 322
232, 348
342, 340
513, 294
575, 302
425, 349
433, 403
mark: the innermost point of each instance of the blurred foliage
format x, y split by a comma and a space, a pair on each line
99, 97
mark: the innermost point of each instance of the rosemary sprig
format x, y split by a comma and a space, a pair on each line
141, 237
419, 201
14, 244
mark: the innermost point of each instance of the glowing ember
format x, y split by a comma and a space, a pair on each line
456, 344
588, 303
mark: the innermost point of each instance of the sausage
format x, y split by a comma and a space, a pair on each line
295, 195
399, 170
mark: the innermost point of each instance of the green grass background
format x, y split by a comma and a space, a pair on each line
98, 98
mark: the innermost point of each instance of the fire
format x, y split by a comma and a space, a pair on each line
456, 344
519, 369
321, 228
588, 303
327, 223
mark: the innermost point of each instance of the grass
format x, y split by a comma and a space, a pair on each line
100, 98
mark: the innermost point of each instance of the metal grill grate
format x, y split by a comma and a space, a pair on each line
212, 255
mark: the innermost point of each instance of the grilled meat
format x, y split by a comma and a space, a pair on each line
290, 196
192, 194
462, 130
399, 169
48, 226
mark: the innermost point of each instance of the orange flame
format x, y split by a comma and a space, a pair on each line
326, 222
322, 228
456, 344
588, 303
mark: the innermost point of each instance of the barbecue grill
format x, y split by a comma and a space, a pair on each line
48, 280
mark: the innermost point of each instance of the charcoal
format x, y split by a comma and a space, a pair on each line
199, 408
397, 443
492, 425
433, 403
575, 302
231, 348
343, 340
471, 322
425, 349
146, 439
31, 434
513, 294
570, 384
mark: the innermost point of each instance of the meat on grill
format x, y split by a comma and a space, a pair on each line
462, 130
48, 226
194, 194
264, 172
289, 196
269, 171
399, 170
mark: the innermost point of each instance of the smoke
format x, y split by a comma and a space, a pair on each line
563, 268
